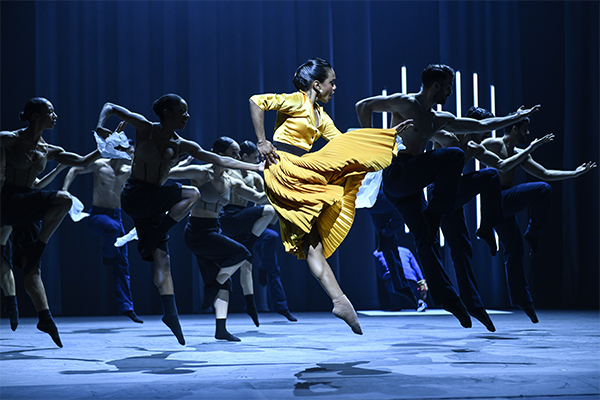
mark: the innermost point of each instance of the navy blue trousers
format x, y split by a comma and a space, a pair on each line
237, 223
214, 251
107, 223
266, 257
403, 183
147, 205
515, 199
487, 183
387, 221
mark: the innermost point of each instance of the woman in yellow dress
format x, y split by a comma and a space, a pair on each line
314, 193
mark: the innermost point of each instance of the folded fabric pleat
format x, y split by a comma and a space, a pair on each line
320, 188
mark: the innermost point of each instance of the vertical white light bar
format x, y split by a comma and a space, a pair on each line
493, 104
477, 165
493, 110
475, 90
404, 91
384, 118
458, 95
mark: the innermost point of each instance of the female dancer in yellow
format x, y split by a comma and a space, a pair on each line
314, 193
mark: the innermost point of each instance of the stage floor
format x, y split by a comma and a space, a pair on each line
401, 355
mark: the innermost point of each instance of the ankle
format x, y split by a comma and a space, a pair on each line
44, 315
250, 304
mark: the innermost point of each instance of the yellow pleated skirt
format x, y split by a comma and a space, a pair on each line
320, 188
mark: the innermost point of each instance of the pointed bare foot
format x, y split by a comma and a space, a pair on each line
342, 308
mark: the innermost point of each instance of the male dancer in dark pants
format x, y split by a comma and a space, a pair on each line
387, 222
413, 169
105, 220
13, 255
516, 198
485, 182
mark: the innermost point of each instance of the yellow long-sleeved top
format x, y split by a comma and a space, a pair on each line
295, 124
318, 189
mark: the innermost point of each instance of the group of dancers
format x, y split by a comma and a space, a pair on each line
312, 194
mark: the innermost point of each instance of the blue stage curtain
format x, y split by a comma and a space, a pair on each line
216, 54
580, 144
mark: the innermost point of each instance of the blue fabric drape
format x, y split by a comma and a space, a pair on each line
581, 127
217, 54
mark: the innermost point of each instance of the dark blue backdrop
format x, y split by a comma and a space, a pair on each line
217, 54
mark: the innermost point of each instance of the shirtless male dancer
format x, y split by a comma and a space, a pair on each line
7, 277
35, 213
413, 169
516, 198
110, 176
154, 206
485, 182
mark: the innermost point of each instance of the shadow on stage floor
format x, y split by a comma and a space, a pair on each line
401, 355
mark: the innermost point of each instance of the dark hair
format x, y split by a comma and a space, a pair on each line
479, 113
247, 147
439, 73
315, 69
222, 144
35, 105
164, 103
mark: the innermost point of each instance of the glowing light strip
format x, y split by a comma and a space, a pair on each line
458, 95
384, 117
493, 104
404, 91
477, 165
475, 90
493, 110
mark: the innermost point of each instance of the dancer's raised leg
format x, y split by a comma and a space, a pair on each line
189, 198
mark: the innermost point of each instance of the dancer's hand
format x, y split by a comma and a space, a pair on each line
585, 167
523, 112
422, 288
477, 148
103, 132
404, 125
267, 152
185, 162
121, 126
540, 141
